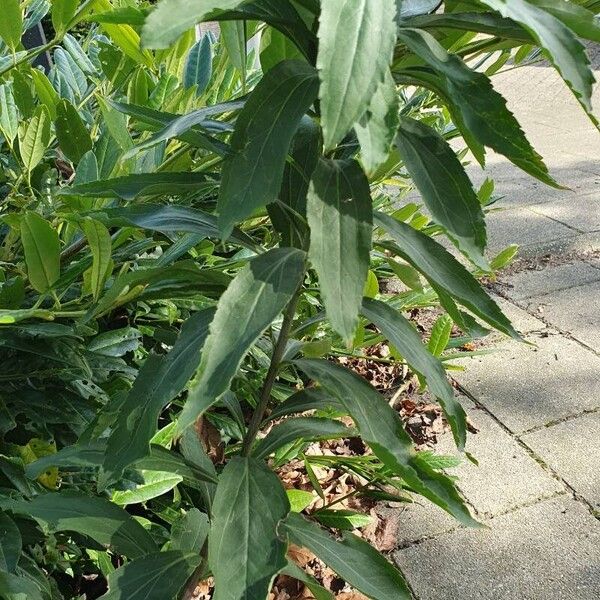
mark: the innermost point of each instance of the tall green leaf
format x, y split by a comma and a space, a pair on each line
11, 23
42, 251
253, 299
100, 244
253, 173
10, 544
381, 428
352, 558
159, 381
158, 576
445, 187
95, 517
441, 269
407, 341
563, 48
244, 550
341, 222
34, 138
73, 137
356, 41
9, 114
62, 13
198, 66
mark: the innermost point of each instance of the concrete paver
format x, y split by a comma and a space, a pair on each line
571, 448
549, 551
522, 321
582, 212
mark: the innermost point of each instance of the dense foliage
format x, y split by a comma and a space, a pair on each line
193, 227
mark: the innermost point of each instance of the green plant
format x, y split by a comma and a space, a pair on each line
193, 235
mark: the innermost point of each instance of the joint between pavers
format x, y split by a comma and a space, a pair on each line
587, 411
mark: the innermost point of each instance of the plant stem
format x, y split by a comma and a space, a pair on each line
265, 396
30, 55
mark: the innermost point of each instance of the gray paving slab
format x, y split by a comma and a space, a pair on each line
507, 476
524, 227
522, 321
575, 310
420, 520
526, 387
549, 551
529, 283
581, 212
572, 449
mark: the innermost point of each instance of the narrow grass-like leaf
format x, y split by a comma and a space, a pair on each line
252, 301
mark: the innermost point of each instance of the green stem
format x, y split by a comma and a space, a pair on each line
265, 396
31, 55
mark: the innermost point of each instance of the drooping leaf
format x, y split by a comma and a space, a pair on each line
266, 284
479, 111
356, 41
352, 558
10, 544
159, 381
377, 128
100, 244
138, 185
96, 517
407, 341
253, 173
244, 550
42, 251
340, 217
11, 23
381, 428
309, 428
198, 66
158, 576
172, 18
34, 138
579, 19
445, 187
441, 269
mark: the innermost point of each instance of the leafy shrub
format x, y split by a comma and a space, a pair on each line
192, 233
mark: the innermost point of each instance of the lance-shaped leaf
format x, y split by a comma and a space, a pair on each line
172, 18
100, 244
9, 114
565, 51
341, 223
42, 251
157, 576
253, 299
442, 270
407, 341
381, 428
309, 428
356, 41
159, 381
253, 173
138, 185
198, 65
444, 186
72, 134
34, 138
378, 126
10, 543
479, 110
11, 24
95, 517
580, 20
317, 590
244, 552
352, 558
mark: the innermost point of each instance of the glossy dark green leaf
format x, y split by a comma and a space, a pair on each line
159, 381
252, 301
253, 173
352, 558
445, 187
400, 332
189, 533
381, 428
356, 41
42, 251
340, 216
34, 138
198, 66
96, 517
308, 428
168, 219
377, 128
101, 246
477, 108
305, 400
158, 576
10, 544
73, 137
564, 49
130, 187
441, 269
244, 551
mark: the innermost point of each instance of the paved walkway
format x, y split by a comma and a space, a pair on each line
537, 407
